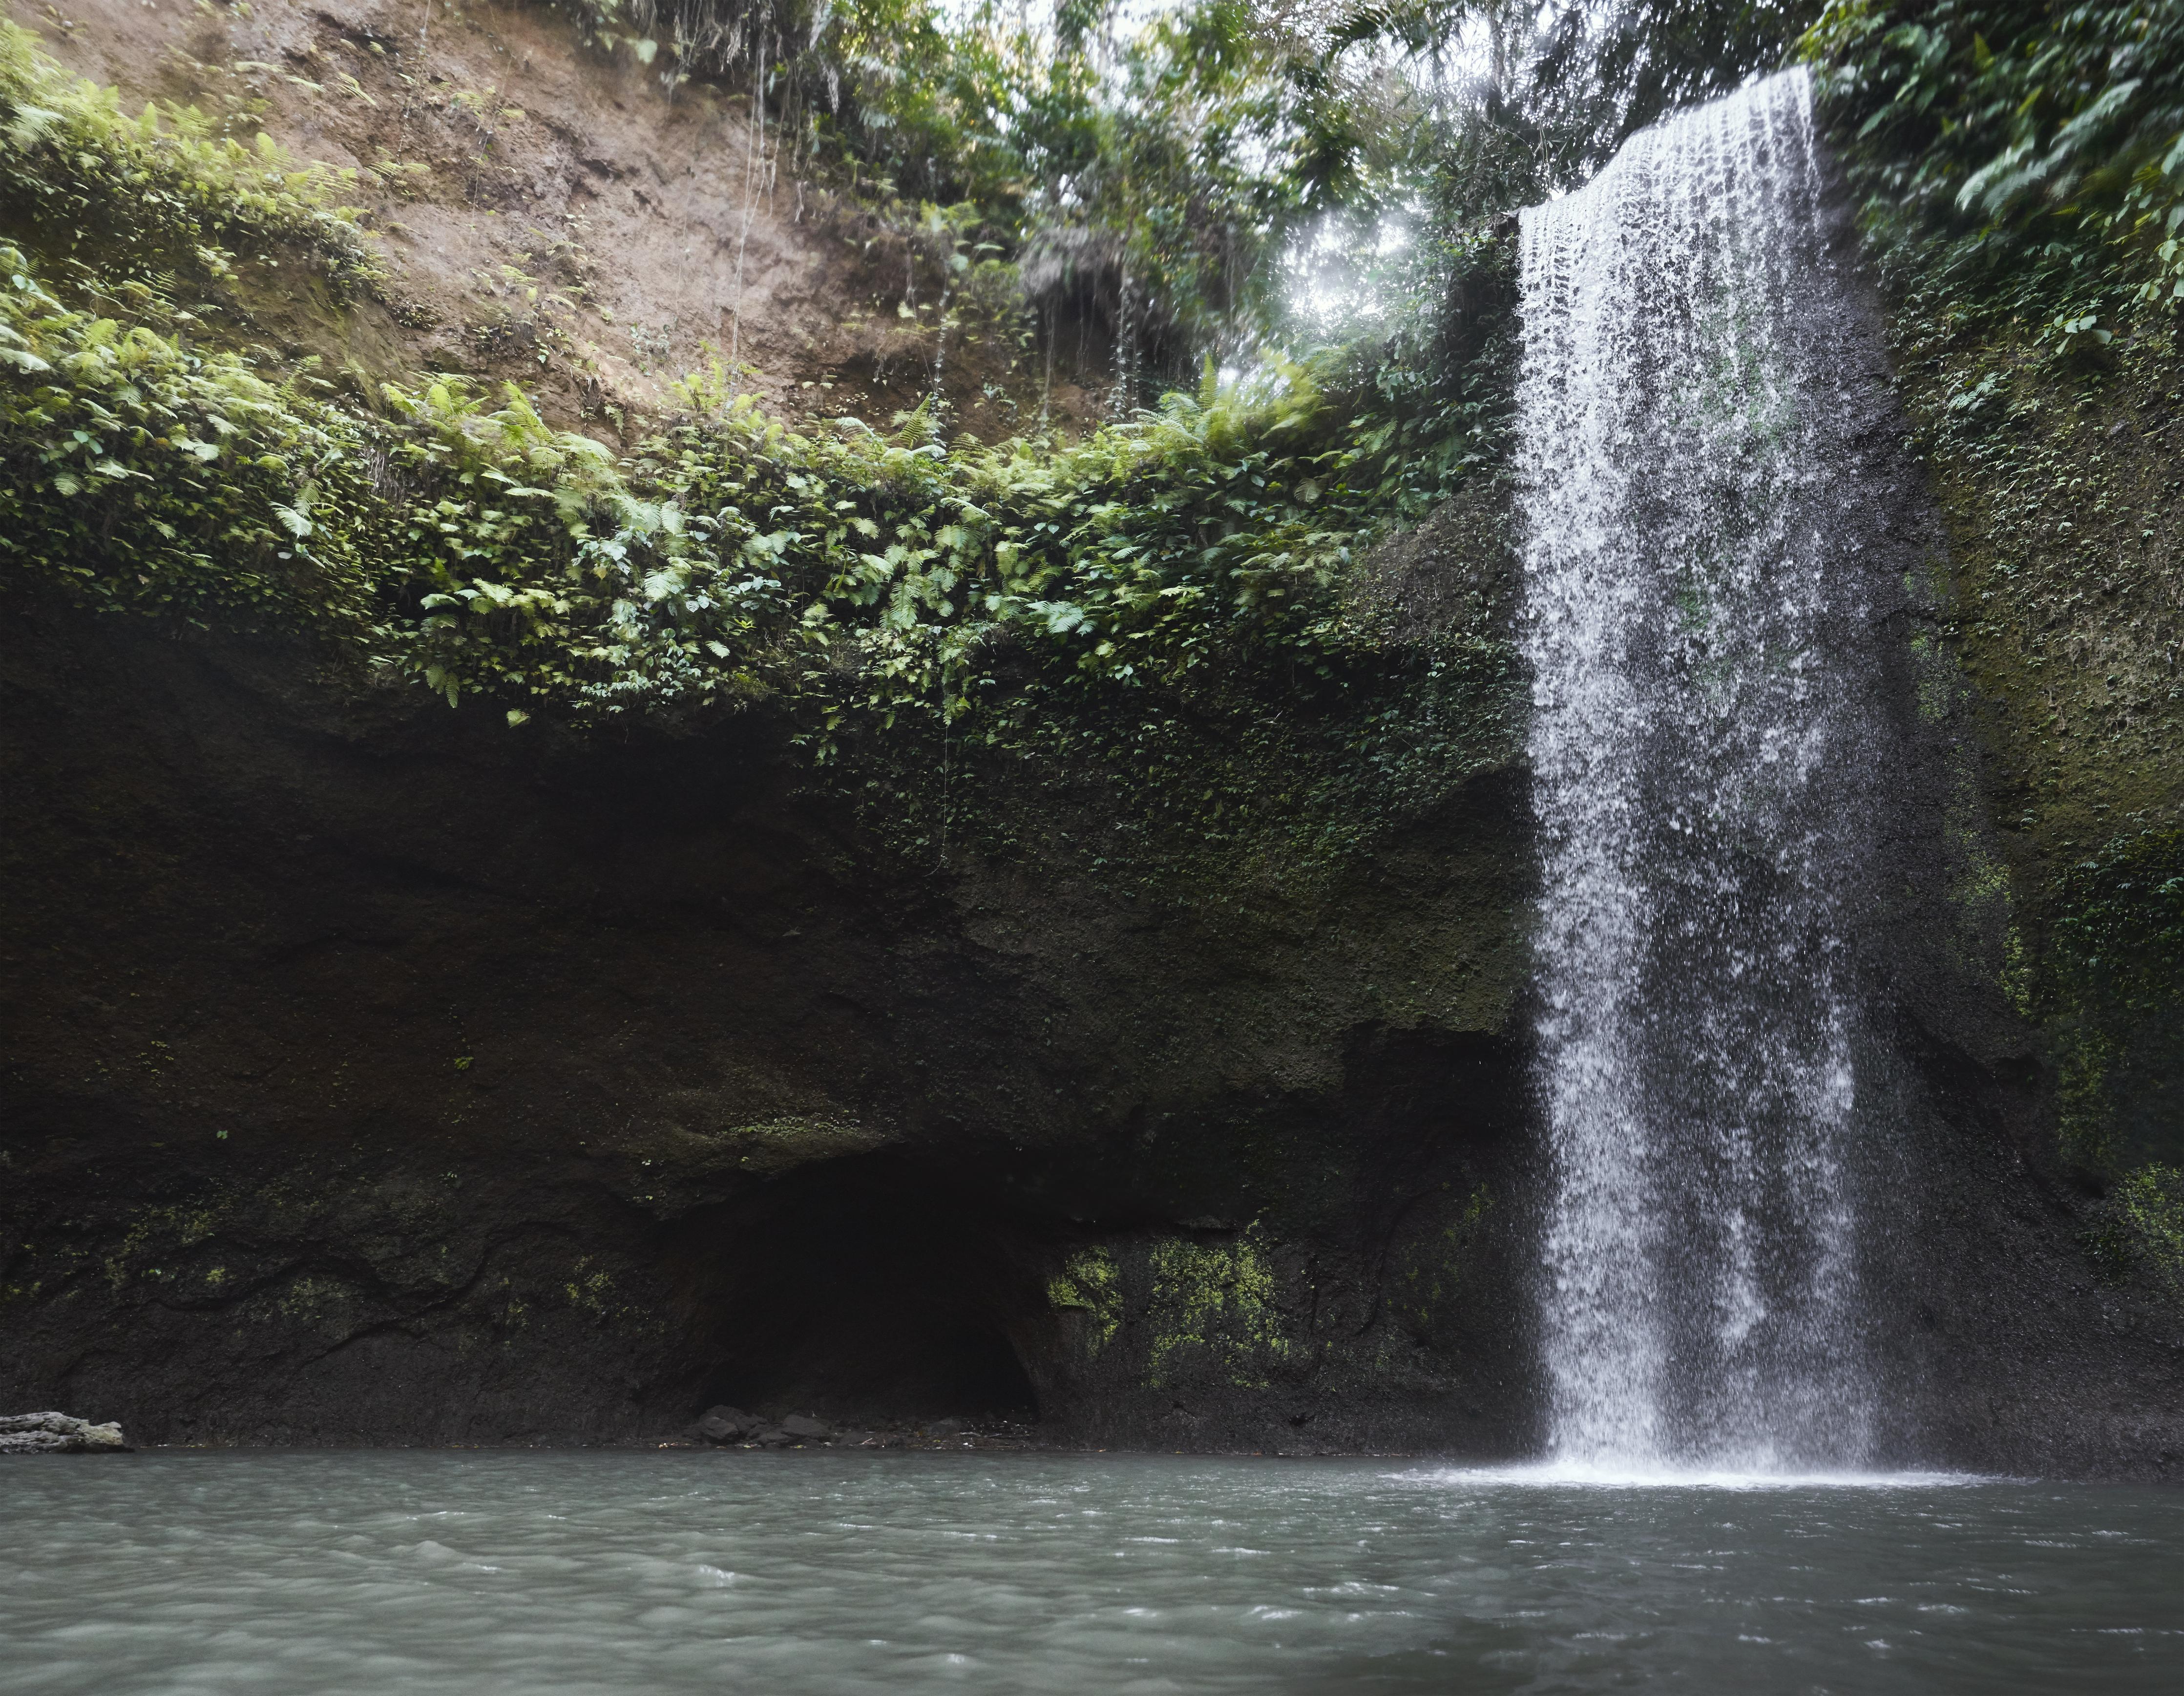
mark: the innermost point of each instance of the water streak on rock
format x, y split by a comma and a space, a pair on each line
1705, 696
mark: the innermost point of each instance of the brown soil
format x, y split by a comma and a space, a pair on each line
554, 215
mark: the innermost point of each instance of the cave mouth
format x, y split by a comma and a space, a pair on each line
866, 1293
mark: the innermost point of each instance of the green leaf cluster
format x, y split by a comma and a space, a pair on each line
731, 557
2033, 154
166, 182
470, 546
138, 473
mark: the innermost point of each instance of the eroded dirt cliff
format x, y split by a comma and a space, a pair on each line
571, 218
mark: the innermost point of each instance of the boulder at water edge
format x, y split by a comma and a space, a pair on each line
727, 1424
57, 1434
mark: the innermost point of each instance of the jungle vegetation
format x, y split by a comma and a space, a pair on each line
1295, 211
1200, 164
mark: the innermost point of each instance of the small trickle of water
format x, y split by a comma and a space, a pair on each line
1703, 689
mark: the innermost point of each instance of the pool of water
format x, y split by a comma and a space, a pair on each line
520, 1573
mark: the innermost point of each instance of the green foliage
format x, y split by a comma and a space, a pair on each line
2039, 148
481, 551
731, 556
1090, 609
165, 182
460, 540
2143, 1229
140, 474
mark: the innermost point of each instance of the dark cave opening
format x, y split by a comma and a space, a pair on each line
865, 1292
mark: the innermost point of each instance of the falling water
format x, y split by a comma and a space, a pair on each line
1702, 697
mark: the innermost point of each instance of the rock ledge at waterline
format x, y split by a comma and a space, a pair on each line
57, 1434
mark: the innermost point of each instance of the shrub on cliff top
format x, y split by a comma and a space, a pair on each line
138, 473
463, 542
2041, 147
164, 183
476, 548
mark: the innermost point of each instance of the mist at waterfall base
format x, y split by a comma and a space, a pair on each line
544, 1574
1707, 727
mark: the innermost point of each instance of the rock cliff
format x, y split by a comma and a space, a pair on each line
1156, 1067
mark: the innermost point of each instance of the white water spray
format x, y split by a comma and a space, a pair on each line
1702, 704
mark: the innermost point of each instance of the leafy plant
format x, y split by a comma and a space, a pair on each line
165, 182
141, 474
476, 548
2040, 147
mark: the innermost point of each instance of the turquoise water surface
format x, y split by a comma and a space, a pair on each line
503, 1572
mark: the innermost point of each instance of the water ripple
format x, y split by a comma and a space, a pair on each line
405, 1574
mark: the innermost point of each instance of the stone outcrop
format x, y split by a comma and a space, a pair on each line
368, 1074
57, 1434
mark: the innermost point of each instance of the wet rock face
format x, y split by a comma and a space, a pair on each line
57, 1434
373, 1074
369, 1075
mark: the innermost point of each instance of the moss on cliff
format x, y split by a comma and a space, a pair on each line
1215, 1300
2024, 213
1089, 1284
2058, 476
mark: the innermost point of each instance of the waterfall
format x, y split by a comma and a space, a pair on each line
1704, 704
